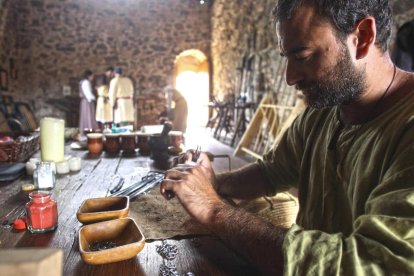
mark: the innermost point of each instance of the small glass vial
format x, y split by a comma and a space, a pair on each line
41, 212
44, 175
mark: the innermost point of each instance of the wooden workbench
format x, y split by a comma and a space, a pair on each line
199, 255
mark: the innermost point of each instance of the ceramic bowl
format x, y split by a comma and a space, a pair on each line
103, 208
110, 241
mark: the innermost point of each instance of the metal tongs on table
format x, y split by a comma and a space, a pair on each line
152, 179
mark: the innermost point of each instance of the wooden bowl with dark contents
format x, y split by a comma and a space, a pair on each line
110, 241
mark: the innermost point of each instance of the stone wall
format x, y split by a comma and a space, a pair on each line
53, 41
7, 34
239, 29
57, 40
235, 23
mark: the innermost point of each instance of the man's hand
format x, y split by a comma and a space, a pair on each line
255, 239
204, 160
191, 184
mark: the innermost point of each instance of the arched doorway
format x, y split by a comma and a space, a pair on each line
192, 80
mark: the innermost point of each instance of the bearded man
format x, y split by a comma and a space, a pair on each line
350, 153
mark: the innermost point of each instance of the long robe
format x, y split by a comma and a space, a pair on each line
104, 113
121, 92
87, 107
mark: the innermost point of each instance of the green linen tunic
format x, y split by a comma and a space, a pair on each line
356, 192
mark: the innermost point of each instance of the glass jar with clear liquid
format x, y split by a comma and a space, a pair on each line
44, 175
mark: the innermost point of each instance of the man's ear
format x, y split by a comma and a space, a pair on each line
365, 35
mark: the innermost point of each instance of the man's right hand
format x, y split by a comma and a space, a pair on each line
204, 160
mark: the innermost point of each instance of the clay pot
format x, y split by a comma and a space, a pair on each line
128, 143
95, 143
112, 143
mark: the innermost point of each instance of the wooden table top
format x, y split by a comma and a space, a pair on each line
199, 255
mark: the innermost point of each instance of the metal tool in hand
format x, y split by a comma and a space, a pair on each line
196, 154
210, 156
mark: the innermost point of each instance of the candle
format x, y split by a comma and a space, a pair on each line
62, 167
30, 168
31, 165
75, 164
52, 139
34, 160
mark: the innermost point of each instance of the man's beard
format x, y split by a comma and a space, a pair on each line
343, 84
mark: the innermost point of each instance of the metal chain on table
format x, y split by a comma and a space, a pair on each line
168, 253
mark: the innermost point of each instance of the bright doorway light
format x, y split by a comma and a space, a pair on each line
192, 80
194, 86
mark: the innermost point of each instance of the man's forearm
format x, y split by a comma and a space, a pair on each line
255, 239
245, 183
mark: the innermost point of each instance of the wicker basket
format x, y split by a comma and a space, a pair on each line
24, 146
280, 210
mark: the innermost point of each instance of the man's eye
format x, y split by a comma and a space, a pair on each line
302, 57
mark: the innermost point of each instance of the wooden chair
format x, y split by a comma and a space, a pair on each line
267, 127
225, 122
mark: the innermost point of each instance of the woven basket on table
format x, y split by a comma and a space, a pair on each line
280, 210
24, 146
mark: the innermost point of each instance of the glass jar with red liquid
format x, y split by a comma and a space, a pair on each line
41, 212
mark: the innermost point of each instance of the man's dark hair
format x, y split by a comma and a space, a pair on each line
344, 15
110, 68
86, 74
100, 80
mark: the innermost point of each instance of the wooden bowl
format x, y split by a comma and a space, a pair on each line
103, 208
124, 235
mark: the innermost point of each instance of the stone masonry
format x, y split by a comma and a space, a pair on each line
52, 41
57, 40
235, 23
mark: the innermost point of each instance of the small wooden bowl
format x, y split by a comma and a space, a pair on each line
103, 208
124, 233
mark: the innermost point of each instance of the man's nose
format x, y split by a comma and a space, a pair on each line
293, 73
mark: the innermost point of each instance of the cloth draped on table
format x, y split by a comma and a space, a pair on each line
162, 219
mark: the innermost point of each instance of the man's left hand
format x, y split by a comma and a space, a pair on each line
192, 186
